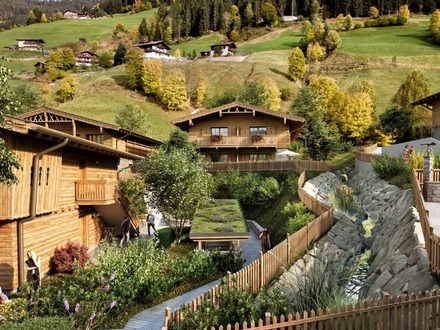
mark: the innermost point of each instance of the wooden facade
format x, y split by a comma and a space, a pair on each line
87, 58
432, 102
93, 130
239, 132
57, 212
30, 44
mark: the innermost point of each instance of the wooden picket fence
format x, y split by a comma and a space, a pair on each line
407, 312
263, 270
297, 165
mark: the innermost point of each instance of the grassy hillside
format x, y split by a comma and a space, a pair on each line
102, 94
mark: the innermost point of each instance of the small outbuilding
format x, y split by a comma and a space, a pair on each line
223, 49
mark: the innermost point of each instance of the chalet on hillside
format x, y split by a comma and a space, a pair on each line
238, 132
432, 102
67, 191
30, 44
93, 130
223, 49
87, 58
155, 50
69, 14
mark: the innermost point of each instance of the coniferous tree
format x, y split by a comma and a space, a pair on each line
118, 59
143, 30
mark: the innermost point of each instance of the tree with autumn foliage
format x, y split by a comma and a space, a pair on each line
152, 77
133, 67
200, 91
271, 96
68, 87
174, 95
297, 64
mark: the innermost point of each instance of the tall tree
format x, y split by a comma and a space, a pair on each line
271, 96
8, 159
414, 88
118, 59
133, 67
178, 183
143, 30
68, 87
174, 95
152, 77
297, 64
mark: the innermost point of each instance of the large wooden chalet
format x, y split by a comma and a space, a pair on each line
67, 189
155, 50
93, 130
432, 102
87, 58
30, 44
238, 132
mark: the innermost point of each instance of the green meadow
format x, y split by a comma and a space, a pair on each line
101, 94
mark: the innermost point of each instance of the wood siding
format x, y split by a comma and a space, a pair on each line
436, 113
238, 125
43, 235
16, 198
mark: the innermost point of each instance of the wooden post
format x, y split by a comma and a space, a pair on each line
168, 316
288, 247
261, 271
229, 279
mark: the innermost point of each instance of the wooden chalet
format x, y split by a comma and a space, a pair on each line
224, 49
93, 130
155, 49
87, 58
67, 191
432, 102
238, 132
30, 44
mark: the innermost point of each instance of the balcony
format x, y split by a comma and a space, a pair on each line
95, 192
236, 141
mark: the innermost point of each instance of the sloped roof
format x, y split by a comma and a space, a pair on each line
30, 39
152, 43
427, 100
22, 127
246, 106
86, 51
69, 116
230, 43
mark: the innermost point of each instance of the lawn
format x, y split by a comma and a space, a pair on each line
219, 216
198, 44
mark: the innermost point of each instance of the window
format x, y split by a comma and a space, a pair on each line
47, 175
219, 131
219, 158
257, 157
98, 138
258, 130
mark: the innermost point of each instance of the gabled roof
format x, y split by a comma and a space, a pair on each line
152, 43
22, 127
39, 115
234, 106
30, 39
427, 100
230, 43
87, 51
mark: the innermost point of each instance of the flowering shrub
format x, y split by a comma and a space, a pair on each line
65, 258
216, 138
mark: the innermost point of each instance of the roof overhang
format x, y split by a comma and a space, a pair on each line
427, 101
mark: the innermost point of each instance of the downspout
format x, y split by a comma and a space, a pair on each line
33, 208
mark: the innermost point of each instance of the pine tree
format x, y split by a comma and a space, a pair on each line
118, 59
143, 30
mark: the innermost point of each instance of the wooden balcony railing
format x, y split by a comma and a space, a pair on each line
237, 141
95, 192
298, 165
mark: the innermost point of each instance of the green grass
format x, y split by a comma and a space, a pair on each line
219, 216
199, 44
286, 40
70, 30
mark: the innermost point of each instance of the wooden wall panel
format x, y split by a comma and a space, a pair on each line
240, 123
436, 113
8, 256
50, 166
69, 174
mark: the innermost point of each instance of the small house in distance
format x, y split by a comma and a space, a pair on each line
87, 58
30, 44
69, 14
223, 49
238, 132
155, 50
219, 224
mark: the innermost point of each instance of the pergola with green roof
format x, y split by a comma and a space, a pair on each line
219, 223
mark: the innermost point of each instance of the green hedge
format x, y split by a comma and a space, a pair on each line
40, 323
167, 237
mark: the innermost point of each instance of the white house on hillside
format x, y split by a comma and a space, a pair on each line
155, 50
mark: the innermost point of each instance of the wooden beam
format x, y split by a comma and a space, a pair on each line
253, 113
100, 129
220, 113
45, 119
285, 120
191, 122
73, 127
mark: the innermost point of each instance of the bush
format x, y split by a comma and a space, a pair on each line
273, 302
231, 261
65, 259
299, 216
134, 190
386, 167
358, 25
345, 197
286, 94
40, 323
166, 236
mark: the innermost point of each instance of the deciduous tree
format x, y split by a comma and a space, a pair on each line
61, 59
133, 118
269, 14
200, 91
174, 95
297, 64
315, 51
133, 67
152, 77
348, 23
68, 87
271, 96
106, 60
178, 183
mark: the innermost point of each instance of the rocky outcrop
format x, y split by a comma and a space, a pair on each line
397, 248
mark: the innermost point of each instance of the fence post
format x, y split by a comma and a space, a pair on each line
260, 273
168, 315
288, 247
229, 279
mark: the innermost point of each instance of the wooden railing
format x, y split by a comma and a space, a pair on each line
137, 148
259, 273
238, 141
415, 311
298, 165
432, 240
95, 190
